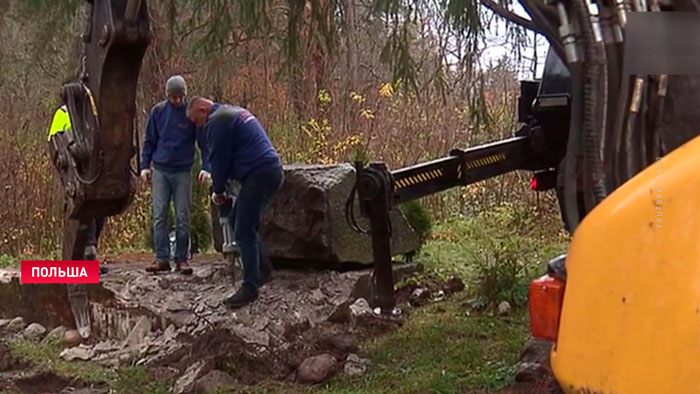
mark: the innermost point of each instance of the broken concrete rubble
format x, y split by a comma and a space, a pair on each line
355, 365
170, 331
80, 352
318, 231
186, 382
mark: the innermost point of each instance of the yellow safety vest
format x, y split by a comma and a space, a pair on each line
60, 123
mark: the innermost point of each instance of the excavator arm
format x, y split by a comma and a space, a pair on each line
538, 146
93, 161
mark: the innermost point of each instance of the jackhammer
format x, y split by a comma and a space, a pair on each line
228, 245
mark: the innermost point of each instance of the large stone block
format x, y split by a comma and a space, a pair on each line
306, 222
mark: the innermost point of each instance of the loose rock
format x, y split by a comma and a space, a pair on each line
214, 380
317, 369
360, 308
318, 230
536, 351
4, 323
504, 308
80, 352
439, 296
138, 333
34, 331
360, 312
419, 296
186, 382
345, 343
57, 333
453, 285
530, 372
355, 365
72, 338
15, 325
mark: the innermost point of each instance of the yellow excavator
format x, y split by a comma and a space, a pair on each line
619, 150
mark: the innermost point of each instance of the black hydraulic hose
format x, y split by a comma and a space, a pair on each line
571, 175
613, 70
620, 114
350, 212
594, 101
83, 119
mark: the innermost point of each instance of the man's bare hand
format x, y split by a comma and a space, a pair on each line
218, 199
203, 176
146, 175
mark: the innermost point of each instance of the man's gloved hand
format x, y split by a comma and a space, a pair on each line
218, 199
146, 175
203, 175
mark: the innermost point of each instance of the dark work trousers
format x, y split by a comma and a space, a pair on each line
96, 226
256, 192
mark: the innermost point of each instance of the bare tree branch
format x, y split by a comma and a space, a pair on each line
512, 17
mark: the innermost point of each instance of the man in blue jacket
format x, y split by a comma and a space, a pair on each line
169, 144
240, 150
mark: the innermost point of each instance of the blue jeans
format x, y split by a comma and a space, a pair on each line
256, 192
178, 187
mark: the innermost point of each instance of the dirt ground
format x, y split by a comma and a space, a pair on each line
188, 333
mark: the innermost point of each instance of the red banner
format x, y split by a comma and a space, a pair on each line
60, 271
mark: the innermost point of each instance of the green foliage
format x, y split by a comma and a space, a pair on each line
47, 356
7, 261
418, 217
498, 252
503, 272
441, 349
133, 380
200, 222
360, 154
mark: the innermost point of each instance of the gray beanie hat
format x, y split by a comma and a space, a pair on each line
176, 85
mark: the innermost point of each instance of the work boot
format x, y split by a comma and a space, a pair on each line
184, 268
158, 266
243, 296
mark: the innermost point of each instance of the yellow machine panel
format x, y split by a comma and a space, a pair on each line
630, 321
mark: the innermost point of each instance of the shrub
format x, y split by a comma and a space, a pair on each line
418, 217
200, 222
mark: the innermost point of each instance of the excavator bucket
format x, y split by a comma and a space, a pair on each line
94, 160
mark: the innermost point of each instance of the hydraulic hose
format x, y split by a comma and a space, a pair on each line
613, 77
594, 101
570, 175
632, 164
